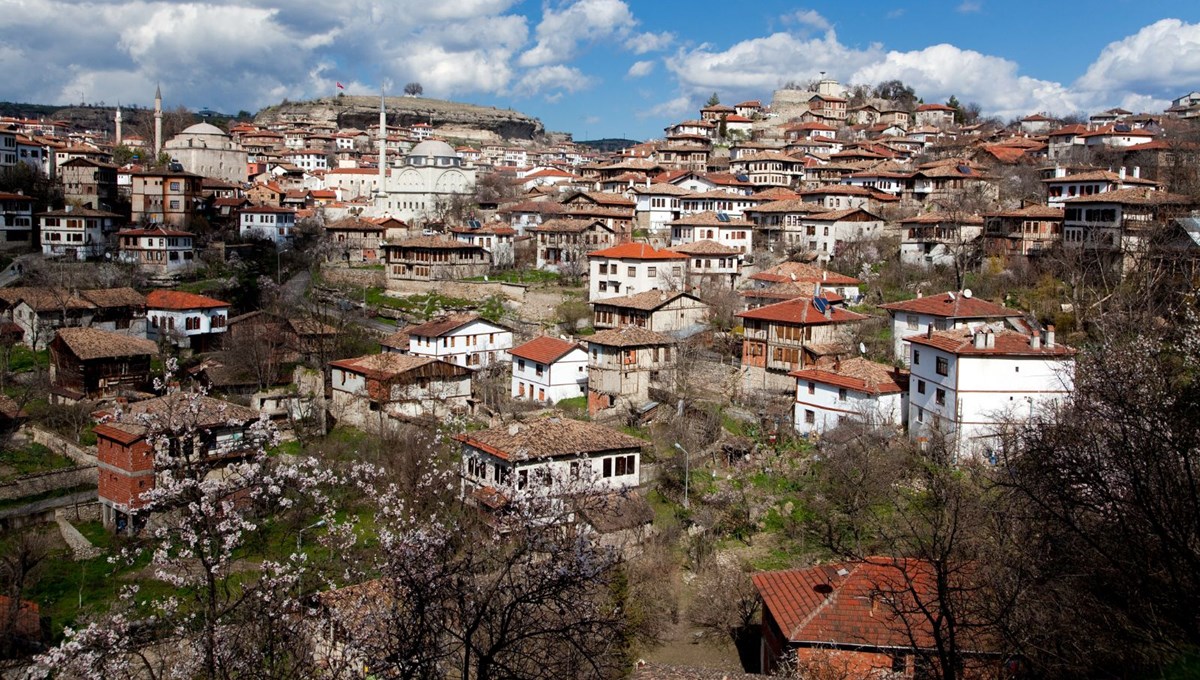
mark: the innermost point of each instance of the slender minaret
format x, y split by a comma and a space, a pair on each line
118, 124
382, 145
157, 121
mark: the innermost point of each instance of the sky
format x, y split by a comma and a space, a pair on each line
599, 68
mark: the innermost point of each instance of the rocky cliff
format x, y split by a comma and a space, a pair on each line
452, 119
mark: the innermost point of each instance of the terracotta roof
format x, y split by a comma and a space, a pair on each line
601, 198
934, 107
645, 301
544, 349
76, 211
153, 231
389, 365
355, 224
1007, 343
800, 271
177, 299
789, 290
637, 251
93, 343
114, 297
1135, 196
1100, 175
179, 409
710, 219
662, 189
837, 604
43, 299
549, 438
858, 374
1032, 210
958, 307
568, 226
446, 323
124, 433
802, 312
704, 247
794, 205
628, 336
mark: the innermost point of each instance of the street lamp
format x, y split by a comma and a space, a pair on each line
687, 473
300, 535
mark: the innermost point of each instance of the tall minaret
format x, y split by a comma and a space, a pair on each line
382, 145
157, 121
118, 124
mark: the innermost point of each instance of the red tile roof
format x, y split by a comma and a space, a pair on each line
1007, 343
858, 374
956, 306
179, 300
801, 311
851, 603
544, 349
637, 251
802, 272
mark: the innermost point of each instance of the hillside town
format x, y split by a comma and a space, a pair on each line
838, 383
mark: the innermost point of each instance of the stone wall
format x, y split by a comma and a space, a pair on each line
42, 482
61, 446
469, 290
353, 276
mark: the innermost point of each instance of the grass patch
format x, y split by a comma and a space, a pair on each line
24, 359
203, 286
30, 459
575, 407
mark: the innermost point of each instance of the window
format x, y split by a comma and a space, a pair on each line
940, 397
841, 394
812, 388
920, 387
943, 366
916, 356
608, 467
652, 271
521, 364
910, 321
810, 416
604, 268
632, 272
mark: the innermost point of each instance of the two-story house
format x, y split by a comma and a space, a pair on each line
789, 336
854, 389
268, 223
197, 432
158, 251
354, 239
495, 238
370, 391
955, 374
41, 311
1029, 230
186, 320
465, 339
548, 369
673, 313
633, 268
723, 228
557, 458
710, 263
76, 233
1121, 223
623, 363
89, 183
563, 245
89, 363
169, 197
433, 258
16, 220
943, 312
938, 238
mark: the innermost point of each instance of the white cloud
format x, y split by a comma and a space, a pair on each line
557, 77
560, 32
1161, 57
969, 7
640, 69
641, 43
810, 18
673, 108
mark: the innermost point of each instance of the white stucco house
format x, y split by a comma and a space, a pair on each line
855, 389
631, 268
971, 386
269, 223
943, 312
186, 319
548, 369
465, 339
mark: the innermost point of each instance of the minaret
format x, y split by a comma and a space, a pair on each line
382, 144
118, 124
157, 121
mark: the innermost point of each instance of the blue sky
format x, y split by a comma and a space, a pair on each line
599, 68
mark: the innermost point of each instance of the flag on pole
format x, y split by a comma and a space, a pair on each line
341, 86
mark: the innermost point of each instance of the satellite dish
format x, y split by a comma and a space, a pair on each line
793, 275
967, 293
862, 348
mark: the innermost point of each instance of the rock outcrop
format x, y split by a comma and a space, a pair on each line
451, 119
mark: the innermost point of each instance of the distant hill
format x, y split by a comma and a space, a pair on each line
449, 119
609, 144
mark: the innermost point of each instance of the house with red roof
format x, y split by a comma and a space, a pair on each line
944, 312
823, 281
970, 386
854, 389
633, 268
790, 336
548, 369
869, 618
186, 320
934, 115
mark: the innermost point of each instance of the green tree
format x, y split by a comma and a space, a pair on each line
953, 103
713, 100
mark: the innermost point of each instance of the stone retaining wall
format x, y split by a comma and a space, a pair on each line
469, 290
60, 445
351, 276
42, 482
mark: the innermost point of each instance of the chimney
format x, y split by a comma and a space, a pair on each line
1121, 172
918, 295
990, 339
980, 340
929, 331
1060, 171
1137, 171
1050, 335
1035, 341
513, 429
